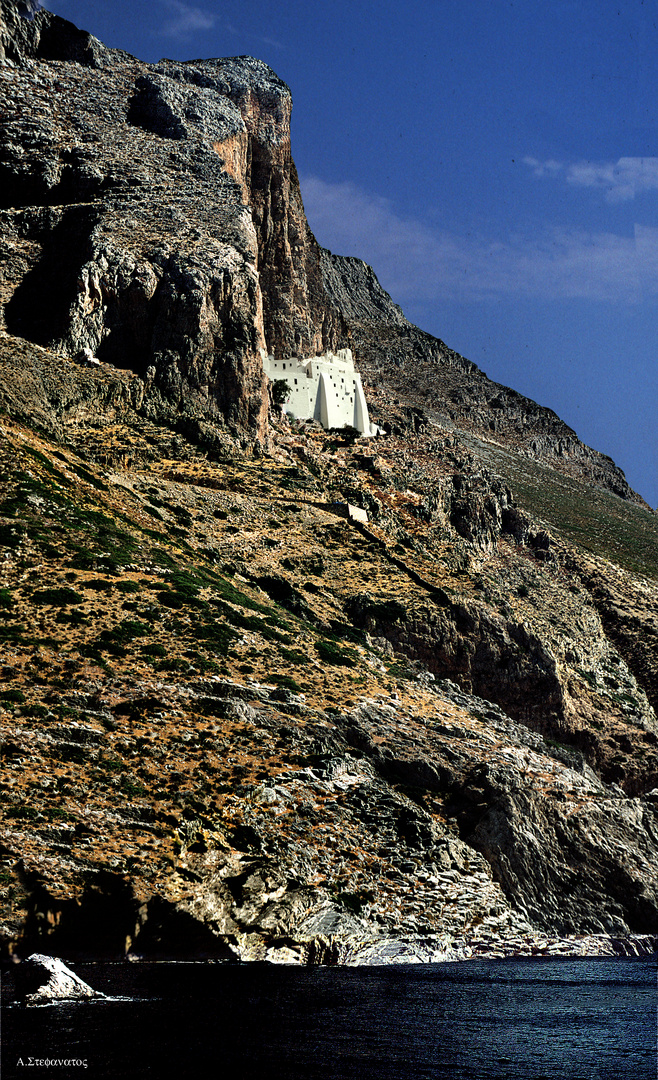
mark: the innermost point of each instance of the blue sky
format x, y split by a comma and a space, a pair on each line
495, 161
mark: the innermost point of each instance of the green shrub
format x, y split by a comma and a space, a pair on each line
57, 597
57, 813
282, 592
74, 754
131, 787
331, 653
294, 656
11, 696
588, 676
218, 636
114, 649
114, 640
36, 711
253, 622
286, 682
177, 664
183, 589
84, 474
92, 652
126, 631
73, 618
83, 559
127, 586
111, 765
172, 599
280, 391
186, 583
155, 649
555, 744
22, 812
10, 535
182, 515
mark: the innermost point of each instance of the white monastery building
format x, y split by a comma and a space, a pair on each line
324, 388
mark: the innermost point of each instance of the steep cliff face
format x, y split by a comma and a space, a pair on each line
125, 226
154, 216
234, 723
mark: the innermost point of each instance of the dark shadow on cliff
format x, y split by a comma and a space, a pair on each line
39, 308
108, 922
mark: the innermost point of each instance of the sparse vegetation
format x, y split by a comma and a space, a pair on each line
12, 696
58, 597
218, 613
331, 653
280, 391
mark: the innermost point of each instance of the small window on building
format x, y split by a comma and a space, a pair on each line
284, 367
295, 382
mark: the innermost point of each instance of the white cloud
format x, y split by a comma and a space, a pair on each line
543, 168
248, 36
414, 261
186, 19
619, 180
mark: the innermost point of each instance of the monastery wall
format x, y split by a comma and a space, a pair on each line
325, 388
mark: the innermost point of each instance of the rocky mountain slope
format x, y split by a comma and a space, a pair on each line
235, 723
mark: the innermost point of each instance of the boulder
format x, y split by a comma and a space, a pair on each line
86, 357
41, 979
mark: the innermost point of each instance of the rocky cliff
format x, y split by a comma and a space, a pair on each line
153, 215
235, 723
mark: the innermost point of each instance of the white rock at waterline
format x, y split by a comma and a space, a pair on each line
41, 979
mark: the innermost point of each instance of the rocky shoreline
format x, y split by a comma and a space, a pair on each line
41, 978
442, 949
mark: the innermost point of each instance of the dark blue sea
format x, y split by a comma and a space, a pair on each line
485, 1020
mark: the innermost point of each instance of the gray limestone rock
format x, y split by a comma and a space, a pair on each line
176, 111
